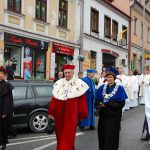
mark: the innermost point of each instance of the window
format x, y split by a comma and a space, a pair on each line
141, 30
13, 52
43, 91
63, 13
148, 35
124, 35
135, 25
41, 9
93, 59
14, 5
114, 30
22, 93
107, 27
94, 20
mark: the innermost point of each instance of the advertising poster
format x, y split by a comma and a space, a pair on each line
27, 61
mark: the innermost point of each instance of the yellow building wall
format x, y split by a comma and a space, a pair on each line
29, 7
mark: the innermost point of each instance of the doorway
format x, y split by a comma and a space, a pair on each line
108, 60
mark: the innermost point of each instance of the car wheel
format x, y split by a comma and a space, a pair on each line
38, 122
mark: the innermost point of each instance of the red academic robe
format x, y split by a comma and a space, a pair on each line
67, 114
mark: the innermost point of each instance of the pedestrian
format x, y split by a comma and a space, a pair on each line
6, 107
9, 69
80, 74
145, 128
147, 99
90, 97
67, 106
60, 76
110, 99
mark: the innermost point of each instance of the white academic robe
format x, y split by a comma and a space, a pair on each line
122, 80
142, 89
132, 90
147, 100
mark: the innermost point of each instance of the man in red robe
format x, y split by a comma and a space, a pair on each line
67, 106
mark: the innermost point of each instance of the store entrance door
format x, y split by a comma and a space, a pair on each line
60, 61
108, 60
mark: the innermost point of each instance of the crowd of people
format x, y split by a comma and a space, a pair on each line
77, 100
108, 95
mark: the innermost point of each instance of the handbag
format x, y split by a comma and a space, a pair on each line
50, 127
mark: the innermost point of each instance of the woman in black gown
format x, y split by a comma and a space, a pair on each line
110, 99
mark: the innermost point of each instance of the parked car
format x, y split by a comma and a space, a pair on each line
31, 101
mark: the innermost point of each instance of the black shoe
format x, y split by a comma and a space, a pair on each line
146, 138
3, 147
82, 128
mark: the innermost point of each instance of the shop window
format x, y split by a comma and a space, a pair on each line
39, 65
41, 9
63, 13
94, 20
34, 59
114, 30
14, 53
107, 27
14, 5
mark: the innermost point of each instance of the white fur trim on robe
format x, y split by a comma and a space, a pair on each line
73, 88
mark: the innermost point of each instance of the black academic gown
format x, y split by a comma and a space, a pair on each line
109, 118
6, 108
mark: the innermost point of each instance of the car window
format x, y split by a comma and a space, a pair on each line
21, 92
43, 91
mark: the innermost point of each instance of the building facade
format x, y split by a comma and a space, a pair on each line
103, 43
137, 32
38, 35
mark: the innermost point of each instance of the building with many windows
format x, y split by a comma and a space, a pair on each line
105, 35
137, 32
38, 35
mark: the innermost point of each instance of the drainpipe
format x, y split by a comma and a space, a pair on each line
129, 42
81, 32
143, 21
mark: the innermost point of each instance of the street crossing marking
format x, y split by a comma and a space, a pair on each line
37, 140
35, 137
51, 144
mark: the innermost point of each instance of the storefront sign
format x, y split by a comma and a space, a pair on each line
63, 49
110, 52
52, 67
23, 41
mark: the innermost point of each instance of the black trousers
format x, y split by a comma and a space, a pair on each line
3, 131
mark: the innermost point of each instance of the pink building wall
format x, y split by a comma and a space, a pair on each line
123, 5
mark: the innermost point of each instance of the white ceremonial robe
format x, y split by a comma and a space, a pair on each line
142, 87
147, 100
132, 90
122, 80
